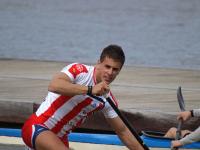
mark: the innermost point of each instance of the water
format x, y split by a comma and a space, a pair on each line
160, 33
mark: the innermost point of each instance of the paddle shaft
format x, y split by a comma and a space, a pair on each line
178, 132
182, 107
126, 122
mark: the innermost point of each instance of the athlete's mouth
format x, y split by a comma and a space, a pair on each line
108, 79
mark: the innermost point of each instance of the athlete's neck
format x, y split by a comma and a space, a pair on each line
97, 76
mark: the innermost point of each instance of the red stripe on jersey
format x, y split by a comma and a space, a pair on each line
51, 110
114, 99
76, 69
71, 114
96, 109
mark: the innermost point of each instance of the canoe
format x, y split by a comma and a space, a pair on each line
16, 143
12, 140
150, 138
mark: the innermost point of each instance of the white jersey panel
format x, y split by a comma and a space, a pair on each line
50, 98
83, 78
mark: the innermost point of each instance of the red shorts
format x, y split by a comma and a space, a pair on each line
31, 129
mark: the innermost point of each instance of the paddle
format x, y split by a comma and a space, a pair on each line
180, 99
182, 107
126, 122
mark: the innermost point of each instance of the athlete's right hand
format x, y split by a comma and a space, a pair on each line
101, 88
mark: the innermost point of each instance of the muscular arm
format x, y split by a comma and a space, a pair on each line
124, 134
62, 84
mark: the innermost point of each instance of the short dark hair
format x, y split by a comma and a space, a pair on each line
113, 51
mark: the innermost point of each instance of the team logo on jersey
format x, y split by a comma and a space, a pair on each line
76, 69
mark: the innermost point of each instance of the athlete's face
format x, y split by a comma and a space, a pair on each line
107, 70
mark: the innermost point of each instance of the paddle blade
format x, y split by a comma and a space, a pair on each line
180, 99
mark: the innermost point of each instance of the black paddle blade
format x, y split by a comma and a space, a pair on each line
180, 99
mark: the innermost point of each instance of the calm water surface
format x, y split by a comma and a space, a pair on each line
161, 33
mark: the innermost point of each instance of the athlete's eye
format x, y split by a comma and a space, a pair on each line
107, 66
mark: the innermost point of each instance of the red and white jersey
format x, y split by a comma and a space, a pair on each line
61, 113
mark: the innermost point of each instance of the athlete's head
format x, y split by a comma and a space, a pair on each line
111, 61
114, 52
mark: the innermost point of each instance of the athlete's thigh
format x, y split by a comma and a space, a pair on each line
47, 140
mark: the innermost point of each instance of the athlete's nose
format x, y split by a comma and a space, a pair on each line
110, 71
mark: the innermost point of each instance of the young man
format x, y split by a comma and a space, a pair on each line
193, 136
69, 102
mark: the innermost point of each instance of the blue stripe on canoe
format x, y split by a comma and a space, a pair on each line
10, 132
73, 137
105, 139
95, 138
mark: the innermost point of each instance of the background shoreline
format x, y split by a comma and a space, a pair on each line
146, 95
87, 63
